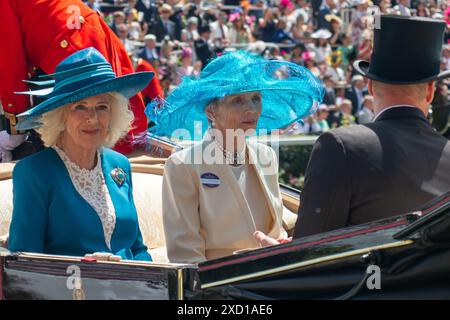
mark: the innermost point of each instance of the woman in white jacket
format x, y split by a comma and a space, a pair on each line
219, 192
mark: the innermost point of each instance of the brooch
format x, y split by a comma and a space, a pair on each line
119, 176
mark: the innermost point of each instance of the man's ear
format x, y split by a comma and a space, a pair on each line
430, 91
370, 86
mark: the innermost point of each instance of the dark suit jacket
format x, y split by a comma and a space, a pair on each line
160, 32
150, 58
203, 50
330, 97
177, 19
324, 24
374, 171
350, 94
150, 13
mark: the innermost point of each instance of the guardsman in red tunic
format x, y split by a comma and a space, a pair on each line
154, 88
37, 35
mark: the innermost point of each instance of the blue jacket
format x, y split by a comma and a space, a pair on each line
50, 216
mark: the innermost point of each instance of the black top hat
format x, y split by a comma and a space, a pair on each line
406, 50
204, 28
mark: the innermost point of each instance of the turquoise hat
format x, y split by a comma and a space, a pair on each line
83, 74
289, 93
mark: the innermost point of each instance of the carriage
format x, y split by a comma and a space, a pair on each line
402, 257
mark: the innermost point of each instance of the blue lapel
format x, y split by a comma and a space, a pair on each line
120, 195
82, 204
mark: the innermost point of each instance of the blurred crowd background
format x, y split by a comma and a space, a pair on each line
179, 37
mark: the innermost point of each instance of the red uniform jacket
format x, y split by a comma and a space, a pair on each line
40, 34
154, 88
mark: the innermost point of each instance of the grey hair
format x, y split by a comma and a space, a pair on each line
54, 122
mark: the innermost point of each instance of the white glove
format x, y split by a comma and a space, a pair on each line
8, 143
103, 256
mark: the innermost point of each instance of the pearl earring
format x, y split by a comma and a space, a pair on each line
213, 123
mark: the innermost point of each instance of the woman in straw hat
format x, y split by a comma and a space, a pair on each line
217, 193
322, 47
75, 197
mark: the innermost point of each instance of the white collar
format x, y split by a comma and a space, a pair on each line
392, 107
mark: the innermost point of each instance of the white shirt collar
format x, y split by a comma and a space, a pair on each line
392, 107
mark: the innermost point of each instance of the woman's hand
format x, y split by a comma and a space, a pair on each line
103, 256
267, 241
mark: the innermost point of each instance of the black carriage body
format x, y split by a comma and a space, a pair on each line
29, 276
412, 252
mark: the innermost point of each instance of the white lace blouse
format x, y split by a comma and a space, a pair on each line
90, 184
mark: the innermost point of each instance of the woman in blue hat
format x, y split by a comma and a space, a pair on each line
75, 197
219, 192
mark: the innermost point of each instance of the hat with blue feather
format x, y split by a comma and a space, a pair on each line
83, 74
289, 93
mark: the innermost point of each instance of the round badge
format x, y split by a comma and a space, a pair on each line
210, 180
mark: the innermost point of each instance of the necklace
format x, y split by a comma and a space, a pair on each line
232, 158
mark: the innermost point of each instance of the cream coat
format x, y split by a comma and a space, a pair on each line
203, 223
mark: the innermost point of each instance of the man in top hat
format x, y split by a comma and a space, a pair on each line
395, 164
398, 162
202, 45
39, 36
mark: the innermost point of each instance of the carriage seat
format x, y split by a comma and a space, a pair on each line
147, 188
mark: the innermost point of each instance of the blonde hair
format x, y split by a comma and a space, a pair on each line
54, 122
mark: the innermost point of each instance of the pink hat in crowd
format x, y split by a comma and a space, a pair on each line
234, 16
308, 55
186, 52
447, 16
286, 4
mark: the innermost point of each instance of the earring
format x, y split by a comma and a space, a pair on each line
213, 123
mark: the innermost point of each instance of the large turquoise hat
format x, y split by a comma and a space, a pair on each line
83, 74
289, 93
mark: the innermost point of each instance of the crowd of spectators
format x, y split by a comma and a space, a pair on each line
179, 37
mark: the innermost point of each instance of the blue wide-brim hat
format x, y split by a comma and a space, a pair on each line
83, 74
289, 93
